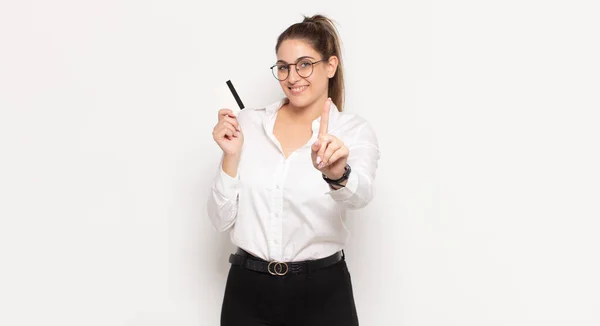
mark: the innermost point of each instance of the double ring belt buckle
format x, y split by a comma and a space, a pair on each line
278, 268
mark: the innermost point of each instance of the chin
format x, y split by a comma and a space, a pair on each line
299, 101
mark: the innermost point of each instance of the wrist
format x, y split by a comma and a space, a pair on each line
334, 176
231, 156
337, 174
339, 185
230, 164
342, 180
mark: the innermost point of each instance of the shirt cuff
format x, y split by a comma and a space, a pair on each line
347, 191
227, 185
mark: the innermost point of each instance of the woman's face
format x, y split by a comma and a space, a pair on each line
304, 88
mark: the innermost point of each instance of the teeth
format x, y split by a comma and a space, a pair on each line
297, 89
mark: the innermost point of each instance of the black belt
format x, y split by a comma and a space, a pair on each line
251, 262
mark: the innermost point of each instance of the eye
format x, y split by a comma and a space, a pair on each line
304, 64
282, 67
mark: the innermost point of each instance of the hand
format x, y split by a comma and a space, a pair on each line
228, 134
329, 154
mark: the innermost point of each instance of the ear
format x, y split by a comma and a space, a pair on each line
332, 65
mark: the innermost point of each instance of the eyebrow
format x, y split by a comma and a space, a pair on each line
304, 57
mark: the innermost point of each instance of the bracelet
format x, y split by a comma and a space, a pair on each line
338, 182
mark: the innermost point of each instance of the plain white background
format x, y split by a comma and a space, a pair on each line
487, 194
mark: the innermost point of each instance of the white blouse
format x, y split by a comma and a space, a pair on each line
282, 209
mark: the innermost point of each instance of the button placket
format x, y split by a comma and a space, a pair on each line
279, 198
276, 212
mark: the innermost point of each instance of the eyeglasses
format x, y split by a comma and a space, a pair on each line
304, 68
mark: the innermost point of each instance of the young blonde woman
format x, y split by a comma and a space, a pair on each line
289, 172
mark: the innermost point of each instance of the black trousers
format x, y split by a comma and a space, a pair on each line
318, 298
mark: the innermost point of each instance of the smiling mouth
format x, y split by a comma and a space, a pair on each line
297, 89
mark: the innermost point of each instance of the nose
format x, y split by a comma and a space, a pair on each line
293, 76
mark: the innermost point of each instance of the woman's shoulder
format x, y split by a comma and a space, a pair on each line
352, 121
251, 114
354, 129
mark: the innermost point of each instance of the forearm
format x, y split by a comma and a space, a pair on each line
357, 192
222, 210
230, 164
222, 202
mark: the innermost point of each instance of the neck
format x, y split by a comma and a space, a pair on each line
306, 113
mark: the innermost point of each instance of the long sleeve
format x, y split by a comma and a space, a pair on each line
222, 204
278, 207
363, 159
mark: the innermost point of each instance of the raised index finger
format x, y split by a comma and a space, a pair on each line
325, 118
